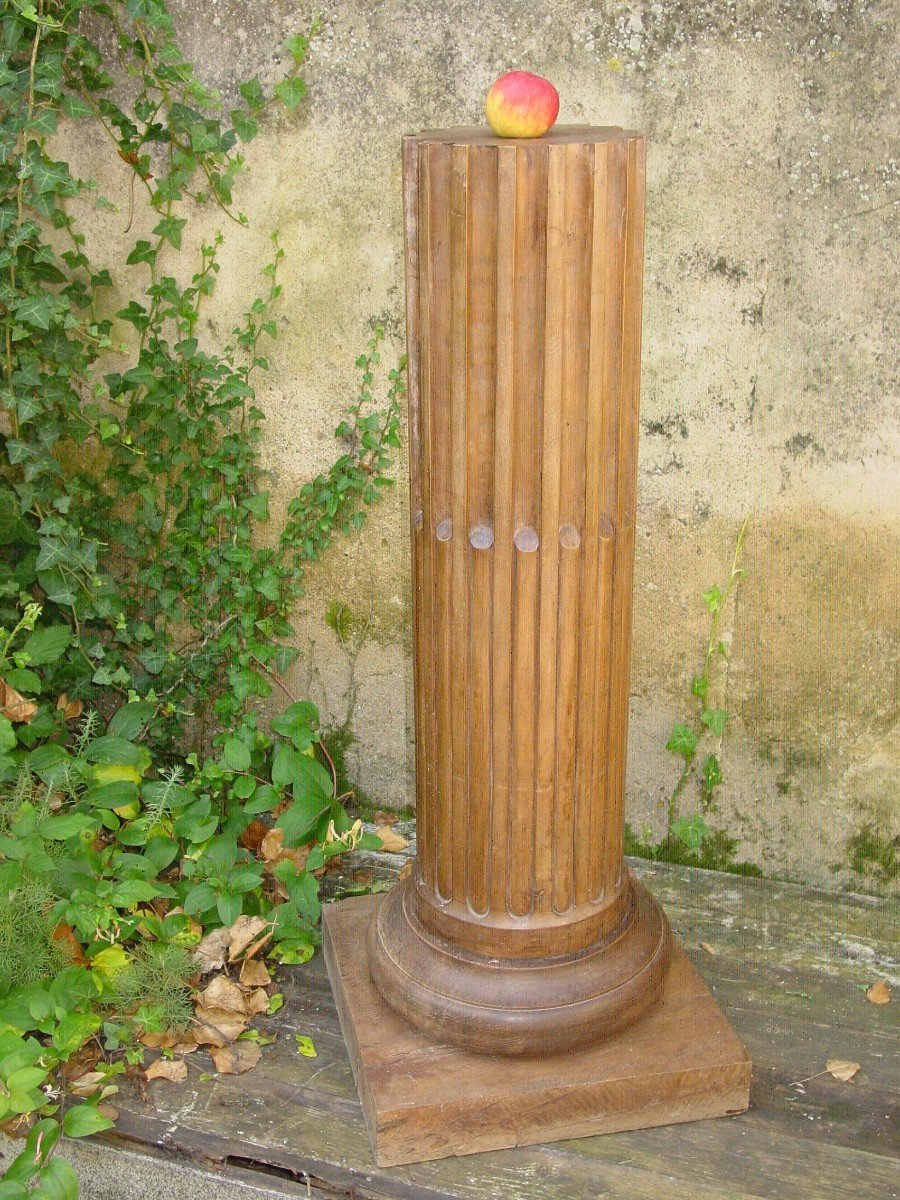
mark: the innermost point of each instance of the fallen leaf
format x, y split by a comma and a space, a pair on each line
159, 1041
210, 951
64, 936
216, 1027
14, 705
173, 1069
257, 1002
306, 1046
842, 1069
235, 1060
391, 841
87, 1084
244, 931
879, 993
275, 1004
70, 709
406, 870
708, 948
363, 877
185, 1047
254, 973
274, 851
222, 993
108, 1111
384, 816
251, 838
255, 947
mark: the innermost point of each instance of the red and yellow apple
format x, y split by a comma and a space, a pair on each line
521, 105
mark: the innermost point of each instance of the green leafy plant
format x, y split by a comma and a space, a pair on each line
689, 839
114, 864
686, 741
132, 499
144, 605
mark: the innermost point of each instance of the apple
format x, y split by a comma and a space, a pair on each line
521, 105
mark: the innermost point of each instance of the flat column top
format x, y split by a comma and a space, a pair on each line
481, 135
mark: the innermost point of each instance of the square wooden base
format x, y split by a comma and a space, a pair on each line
423, 1099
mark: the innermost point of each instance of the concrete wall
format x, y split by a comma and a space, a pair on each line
768, 366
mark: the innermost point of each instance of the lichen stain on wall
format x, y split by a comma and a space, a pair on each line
768, 366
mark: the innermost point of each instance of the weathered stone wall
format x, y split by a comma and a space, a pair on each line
768, 367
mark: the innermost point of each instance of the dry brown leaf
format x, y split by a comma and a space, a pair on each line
708, 948
257, 1002
254, 973
255, 947
842, 1069
187, 1047
87, 1084
223, 993
236, 1059
251, 838
384, 816
391, 841
274, 851
64, 935
70, 709
244, 931
210, 951
216, 1026
159, 1041
14, 705
406, 870
879, 993
109, 1111
173, 1069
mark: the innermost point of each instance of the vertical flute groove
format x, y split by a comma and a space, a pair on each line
459, 595
601, 885
531, 200
481, 372
502, 565
575, 367
626, 491
440, 328
548, 674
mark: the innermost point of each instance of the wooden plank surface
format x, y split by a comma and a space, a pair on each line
789, 969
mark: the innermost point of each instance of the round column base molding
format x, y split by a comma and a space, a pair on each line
518, 1006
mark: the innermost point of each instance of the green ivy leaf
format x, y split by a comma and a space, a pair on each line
683, 742
691, 831
712, 773
58, 1181
714, 719
290, 91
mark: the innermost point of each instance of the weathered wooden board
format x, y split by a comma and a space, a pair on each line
789, 969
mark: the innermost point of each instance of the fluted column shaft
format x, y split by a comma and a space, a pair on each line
524, 307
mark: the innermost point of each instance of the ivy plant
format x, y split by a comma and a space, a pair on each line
145, 597
131, 490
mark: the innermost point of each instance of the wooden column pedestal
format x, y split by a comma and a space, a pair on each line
520, 932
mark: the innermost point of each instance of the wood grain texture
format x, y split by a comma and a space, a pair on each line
424, 1099
526, 342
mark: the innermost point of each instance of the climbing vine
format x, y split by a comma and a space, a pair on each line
146, 800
